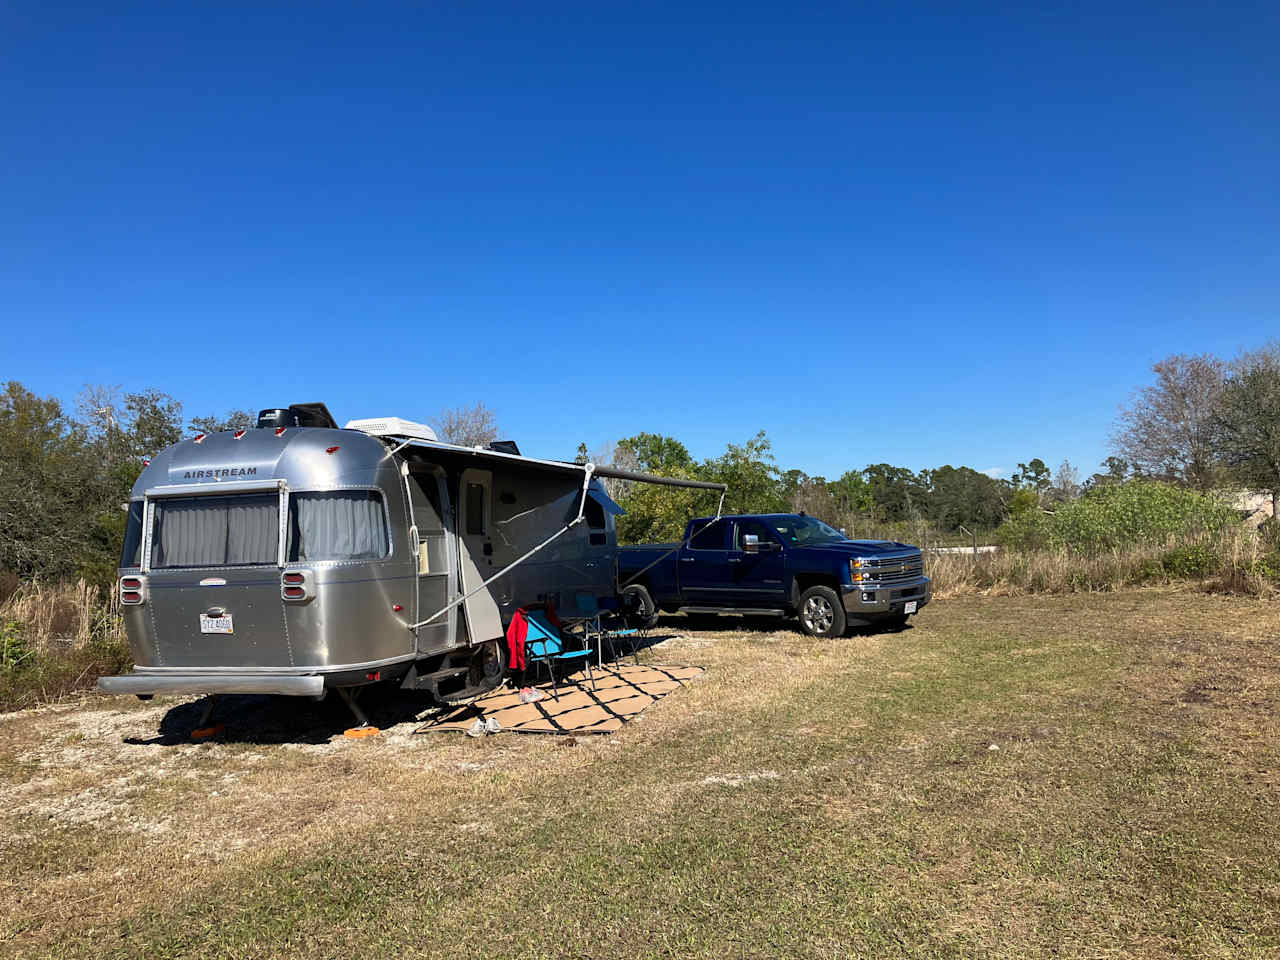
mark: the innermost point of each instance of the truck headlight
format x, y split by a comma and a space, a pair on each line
860, 570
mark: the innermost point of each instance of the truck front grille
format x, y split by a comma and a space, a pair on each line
897, 569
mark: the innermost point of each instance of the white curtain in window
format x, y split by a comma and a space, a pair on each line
344, 525
216, 531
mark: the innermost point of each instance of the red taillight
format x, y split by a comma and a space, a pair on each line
237, 435
131, 590
294, 593
375, 675
332, 449
396, 607
280, 431
294, 578
199, 438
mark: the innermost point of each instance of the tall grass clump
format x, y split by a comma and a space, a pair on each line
1140, 532
56, 639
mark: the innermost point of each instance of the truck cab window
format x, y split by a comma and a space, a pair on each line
710, 536
756, 527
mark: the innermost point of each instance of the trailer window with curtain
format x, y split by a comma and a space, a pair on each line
131, 556
337, 525
234, 531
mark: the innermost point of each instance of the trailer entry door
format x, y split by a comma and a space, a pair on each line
475, 518
428, 513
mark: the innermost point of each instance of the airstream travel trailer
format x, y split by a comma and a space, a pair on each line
297, 557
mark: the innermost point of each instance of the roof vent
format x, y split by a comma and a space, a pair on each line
392, 427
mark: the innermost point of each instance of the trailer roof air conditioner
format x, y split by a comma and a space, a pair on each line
392, 427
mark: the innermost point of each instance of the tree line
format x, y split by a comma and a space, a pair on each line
1203, 422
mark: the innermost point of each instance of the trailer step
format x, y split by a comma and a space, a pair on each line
743, 611
429, 681
413, 680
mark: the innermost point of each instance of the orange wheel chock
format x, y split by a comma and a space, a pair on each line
204, 733
359, 733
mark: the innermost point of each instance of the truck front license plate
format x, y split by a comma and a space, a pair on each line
908, 607
210, 624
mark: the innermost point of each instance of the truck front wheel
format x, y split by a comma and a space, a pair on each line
821, 613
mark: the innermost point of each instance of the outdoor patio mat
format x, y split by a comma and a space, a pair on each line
621, 694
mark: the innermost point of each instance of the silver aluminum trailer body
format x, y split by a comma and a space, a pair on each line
298, 559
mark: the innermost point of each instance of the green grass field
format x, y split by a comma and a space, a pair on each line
1080, 775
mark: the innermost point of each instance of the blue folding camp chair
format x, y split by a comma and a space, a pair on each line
544, 644
599, 619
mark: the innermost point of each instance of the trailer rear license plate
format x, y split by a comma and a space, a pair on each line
210, 624
908, 607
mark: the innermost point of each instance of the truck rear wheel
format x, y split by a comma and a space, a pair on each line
641, 610
821, 613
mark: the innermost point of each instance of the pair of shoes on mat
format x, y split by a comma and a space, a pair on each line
481, 727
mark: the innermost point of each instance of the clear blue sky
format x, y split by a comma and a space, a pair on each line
915, 234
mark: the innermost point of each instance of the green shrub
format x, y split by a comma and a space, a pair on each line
1026, 531
15, 650
1149, 570
1190, 561
1121, 516
1268, 565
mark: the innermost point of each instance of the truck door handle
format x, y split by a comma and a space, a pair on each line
687, 559
735, 559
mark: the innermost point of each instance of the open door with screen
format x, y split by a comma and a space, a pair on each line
429, 512
475, 553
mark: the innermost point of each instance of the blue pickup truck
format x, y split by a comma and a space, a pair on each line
782, 564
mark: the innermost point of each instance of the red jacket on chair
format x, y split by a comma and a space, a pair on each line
517, 631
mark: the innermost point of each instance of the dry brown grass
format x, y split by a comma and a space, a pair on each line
807, 798
1236, 565
56, 639
59, 615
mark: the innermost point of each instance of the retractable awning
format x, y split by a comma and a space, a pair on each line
557, 465
587, 471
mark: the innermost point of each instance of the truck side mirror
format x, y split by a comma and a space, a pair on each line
750, 543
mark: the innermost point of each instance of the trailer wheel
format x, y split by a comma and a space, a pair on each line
641, 610
821, 613
487, 669
489, 665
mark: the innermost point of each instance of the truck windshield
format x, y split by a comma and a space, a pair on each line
805, 531
230, 531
